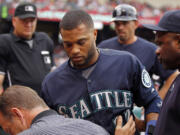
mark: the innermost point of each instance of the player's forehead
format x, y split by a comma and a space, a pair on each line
163, 36
123, 22
79, 28
77, 33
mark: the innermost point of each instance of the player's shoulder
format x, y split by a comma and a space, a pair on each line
146, 43
122, 59
41, 36
111, 52
106, 42
5, 36
117, 54
5, 41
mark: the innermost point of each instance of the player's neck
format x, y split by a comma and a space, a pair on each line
92, 61
128, 42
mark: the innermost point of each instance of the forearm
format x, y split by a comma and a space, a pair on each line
151, 120
151, 116
140, 124
151, 113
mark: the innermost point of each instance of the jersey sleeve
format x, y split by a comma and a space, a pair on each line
144, 92
45, 94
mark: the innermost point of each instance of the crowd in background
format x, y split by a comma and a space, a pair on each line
99, 6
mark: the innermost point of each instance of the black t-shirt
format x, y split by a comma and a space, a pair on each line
169, 119
22, 64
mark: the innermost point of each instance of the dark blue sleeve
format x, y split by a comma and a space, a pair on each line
144, 91
45, 94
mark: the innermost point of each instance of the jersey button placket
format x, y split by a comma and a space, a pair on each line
89, 85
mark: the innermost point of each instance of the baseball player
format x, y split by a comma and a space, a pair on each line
168, 40
97, 84
126, 22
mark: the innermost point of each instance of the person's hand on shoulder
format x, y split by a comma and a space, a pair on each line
127, 129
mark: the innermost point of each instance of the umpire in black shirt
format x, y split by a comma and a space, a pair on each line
25, 55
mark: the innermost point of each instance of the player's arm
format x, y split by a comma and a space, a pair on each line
151, 119
140, 124
1, 83
148, 97
145, 94
152, 110
127, 129
167, 84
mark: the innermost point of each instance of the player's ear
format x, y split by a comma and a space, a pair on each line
136, 22
95, 34
17, 113
178, 38
13, 21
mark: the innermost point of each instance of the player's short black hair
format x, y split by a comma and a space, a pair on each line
74, 18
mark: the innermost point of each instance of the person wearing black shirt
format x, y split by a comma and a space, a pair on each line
25, 55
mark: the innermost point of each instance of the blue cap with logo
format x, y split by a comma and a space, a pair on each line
170, 22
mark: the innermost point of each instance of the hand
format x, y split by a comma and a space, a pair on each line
127, 129
150, 126
140, 124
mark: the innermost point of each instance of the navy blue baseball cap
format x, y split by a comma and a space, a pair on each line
25, 10
170, 22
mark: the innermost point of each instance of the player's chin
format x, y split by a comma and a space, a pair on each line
122, 38
27, 35
168, 65
78, 63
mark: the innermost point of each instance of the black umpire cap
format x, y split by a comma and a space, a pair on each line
124, 12
25, 10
